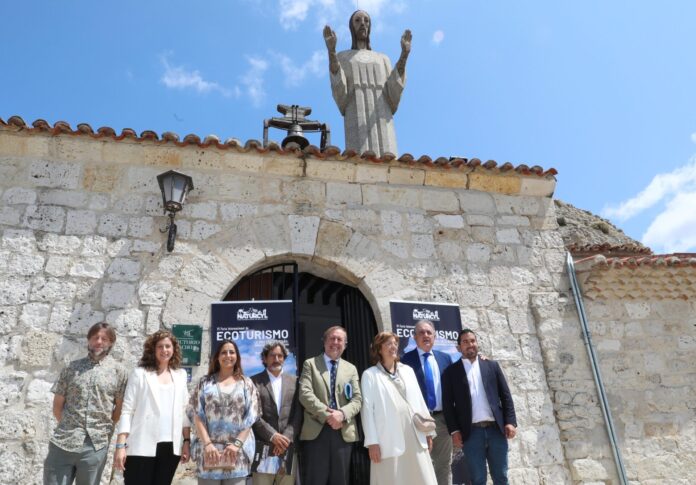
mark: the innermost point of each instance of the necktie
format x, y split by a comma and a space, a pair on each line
334, 367
430, 398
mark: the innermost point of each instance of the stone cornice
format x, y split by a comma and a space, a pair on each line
60, 142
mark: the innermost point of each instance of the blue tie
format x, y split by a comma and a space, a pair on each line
429, 382
334, 367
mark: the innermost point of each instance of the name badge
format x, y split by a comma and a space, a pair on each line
348, 391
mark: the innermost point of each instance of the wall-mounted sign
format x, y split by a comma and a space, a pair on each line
252, 324
190, 339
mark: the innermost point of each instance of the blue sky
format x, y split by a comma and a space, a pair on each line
603, 91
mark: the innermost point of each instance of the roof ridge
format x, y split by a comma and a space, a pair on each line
329, 152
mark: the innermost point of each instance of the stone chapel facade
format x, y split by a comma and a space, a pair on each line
79, 243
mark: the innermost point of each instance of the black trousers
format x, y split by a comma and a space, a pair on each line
152, 470
326, 459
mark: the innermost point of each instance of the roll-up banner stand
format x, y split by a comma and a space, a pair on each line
445, 318
448, 322
253, 324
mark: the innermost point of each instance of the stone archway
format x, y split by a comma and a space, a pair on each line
319, 304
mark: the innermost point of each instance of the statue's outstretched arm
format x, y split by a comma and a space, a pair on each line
405, 51
339, 89
331, 40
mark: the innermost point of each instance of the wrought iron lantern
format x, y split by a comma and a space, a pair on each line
174, 187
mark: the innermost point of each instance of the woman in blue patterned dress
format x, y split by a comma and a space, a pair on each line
223, 407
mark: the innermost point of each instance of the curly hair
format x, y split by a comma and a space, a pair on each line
270, 346
381, 339
214, 365
149, 358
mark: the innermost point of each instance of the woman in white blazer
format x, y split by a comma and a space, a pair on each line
399, 453
154, 432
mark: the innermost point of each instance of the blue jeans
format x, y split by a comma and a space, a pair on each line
487, 445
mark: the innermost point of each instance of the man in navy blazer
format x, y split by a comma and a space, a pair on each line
424, 335
479, 411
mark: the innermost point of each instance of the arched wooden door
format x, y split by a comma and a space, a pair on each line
318, 304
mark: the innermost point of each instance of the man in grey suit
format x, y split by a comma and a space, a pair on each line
424, 355
330, 396
275, 430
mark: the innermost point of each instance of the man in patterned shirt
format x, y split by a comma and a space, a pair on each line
87, 402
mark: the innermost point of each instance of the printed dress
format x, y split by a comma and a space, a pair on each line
225, 414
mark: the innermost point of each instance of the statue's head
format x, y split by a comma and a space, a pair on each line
360, 26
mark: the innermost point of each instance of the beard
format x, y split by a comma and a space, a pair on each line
98, 354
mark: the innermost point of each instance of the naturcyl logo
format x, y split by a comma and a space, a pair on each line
251, 314
425, 314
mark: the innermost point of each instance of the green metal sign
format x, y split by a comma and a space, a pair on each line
190, 338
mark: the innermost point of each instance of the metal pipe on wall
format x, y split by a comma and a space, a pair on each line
594, 363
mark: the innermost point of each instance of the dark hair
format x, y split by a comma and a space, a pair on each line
333, 329
97, 327
270, 346
462, 332
149, 358
354, 42
214, 365
380, 339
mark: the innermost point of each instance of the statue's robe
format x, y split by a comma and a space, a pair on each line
367, 92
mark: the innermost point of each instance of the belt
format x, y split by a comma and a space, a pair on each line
435, 413
483, 424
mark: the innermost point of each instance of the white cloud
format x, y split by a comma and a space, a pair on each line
674, 195
294, 12
693, 137
662, 186
294, 74
178, 77
674, 230
438, 37
253, 80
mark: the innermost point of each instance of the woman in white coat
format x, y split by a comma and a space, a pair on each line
399, 453
154, 432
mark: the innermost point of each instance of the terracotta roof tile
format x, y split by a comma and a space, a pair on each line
330, 152
645, 278
659, 260
608, 249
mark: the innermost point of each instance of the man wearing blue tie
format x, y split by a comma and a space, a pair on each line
429, 364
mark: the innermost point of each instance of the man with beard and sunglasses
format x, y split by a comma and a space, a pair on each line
87, 403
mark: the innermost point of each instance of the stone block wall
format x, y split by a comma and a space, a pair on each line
642, 322
80, 243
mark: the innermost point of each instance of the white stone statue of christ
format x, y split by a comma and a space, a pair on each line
365, 88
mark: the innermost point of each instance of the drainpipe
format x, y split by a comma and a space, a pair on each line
603, 401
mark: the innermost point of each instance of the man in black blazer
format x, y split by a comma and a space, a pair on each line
479, 411
424, 335
275, 430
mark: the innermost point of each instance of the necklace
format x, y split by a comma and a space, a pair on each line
392, 375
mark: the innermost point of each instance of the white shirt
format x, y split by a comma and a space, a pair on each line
268, 463
480, 409
436, 377
166, 418
277, 386
328, 360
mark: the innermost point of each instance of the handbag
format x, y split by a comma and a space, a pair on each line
222, 463
424, 424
